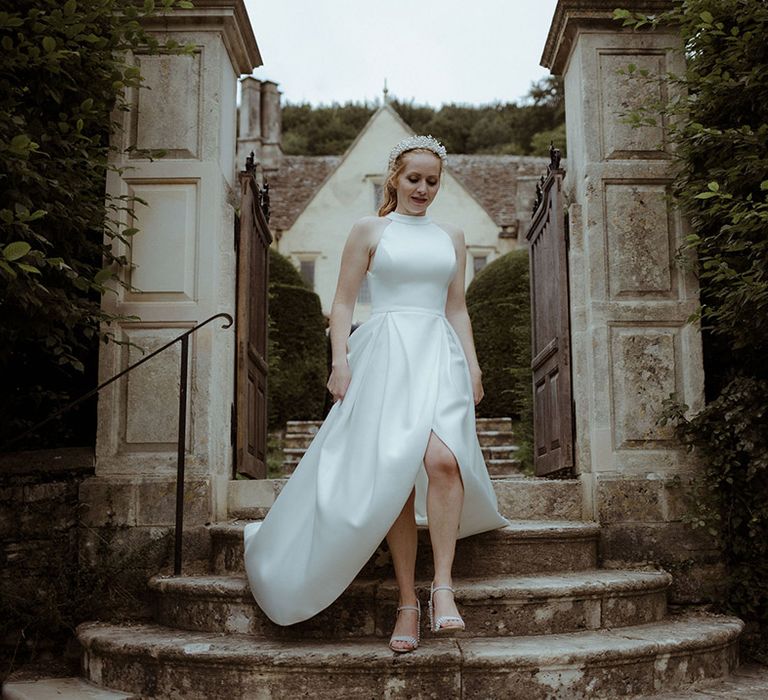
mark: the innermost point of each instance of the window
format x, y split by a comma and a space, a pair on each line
479, 262
378, 195
307, 270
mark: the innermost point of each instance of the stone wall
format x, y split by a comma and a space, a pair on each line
39, 538
632, 345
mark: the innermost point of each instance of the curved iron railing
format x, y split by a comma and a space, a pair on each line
182, 438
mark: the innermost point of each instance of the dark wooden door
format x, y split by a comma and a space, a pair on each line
252, 237
551, 332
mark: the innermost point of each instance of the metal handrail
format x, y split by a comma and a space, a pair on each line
182, 438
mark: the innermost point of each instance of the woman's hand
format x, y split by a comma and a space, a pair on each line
339, 380
477, 385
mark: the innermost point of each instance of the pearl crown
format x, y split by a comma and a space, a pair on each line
412, 142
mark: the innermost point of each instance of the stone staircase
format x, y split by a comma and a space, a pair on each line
543, 621
495, 435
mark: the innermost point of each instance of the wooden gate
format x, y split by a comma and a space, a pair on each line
551, 332
252, 240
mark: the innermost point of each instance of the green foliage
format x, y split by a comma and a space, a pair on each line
719, 126
62, 72
498, 300
731, 441
297, 347
495, 128
324, 130
110, 585
282, 271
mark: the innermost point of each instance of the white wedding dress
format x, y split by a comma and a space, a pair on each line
409, 377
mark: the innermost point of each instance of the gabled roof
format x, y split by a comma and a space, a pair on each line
491, 180
294, 184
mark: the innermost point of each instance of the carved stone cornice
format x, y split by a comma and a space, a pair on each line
226, 16
571, 15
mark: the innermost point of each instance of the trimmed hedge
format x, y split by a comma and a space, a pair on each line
498, 300
282, 271
297, 347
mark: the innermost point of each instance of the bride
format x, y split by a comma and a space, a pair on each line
399, 445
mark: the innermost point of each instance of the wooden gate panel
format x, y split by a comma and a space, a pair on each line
550, 332
250, 420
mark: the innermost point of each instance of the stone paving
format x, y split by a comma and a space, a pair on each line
748, 682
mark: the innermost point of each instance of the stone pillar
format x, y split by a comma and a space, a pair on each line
249, 137
630, 299
271, 126
182, 271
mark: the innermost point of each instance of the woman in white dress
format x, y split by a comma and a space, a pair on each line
399, 446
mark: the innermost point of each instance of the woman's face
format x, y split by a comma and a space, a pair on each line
418, 184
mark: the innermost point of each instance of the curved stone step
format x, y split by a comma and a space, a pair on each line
523, 547
519, 497
156, 661
497, 606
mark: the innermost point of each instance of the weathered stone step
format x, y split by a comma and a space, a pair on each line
520, 498
312, 426
294, 447
502, 468
497, 468
506, 451
492, 607
530, 498
495, 438
495, 445
302, 426
523, 547
156, 661
494, 424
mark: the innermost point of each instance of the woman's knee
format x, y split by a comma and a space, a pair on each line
440, 462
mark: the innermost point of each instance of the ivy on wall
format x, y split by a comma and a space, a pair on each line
64, 68
719, 125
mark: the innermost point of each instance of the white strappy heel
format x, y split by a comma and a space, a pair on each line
408, 639
438, 625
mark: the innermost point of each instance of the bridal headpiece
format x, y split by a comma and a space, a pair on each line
427, 142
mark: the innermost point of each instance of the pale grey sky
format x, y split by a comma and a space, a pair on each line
432, 51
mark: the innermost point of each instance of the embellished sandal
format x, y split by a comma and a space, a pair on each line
408, 639
438, 625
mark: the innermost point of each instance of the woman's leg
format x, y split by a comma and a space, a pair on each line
445, 496
402, 542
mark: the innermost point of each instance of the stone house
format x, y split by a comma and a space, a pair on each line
316, 199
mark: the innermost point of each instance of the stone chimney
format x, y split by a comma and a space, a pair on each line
259, 124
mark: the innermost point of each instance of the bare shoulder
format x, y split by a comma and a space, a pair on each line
455, 232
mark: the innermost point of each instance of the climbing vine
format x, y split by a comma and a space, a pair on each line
64, 68
719, 126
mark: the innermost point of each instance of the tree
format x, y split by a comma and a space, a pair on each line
719, 127
63, 70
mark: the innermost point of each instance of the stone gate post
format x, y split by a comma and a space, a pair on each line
182, 271
630, 299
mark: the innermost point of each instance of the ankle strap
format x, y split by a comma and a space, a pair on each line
407, 607
443, 588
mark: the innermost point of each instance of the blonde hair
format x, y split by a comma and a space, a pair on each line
389, 203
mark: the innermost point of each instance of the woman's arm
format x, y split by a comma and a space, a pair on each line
457, 314
354, 262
